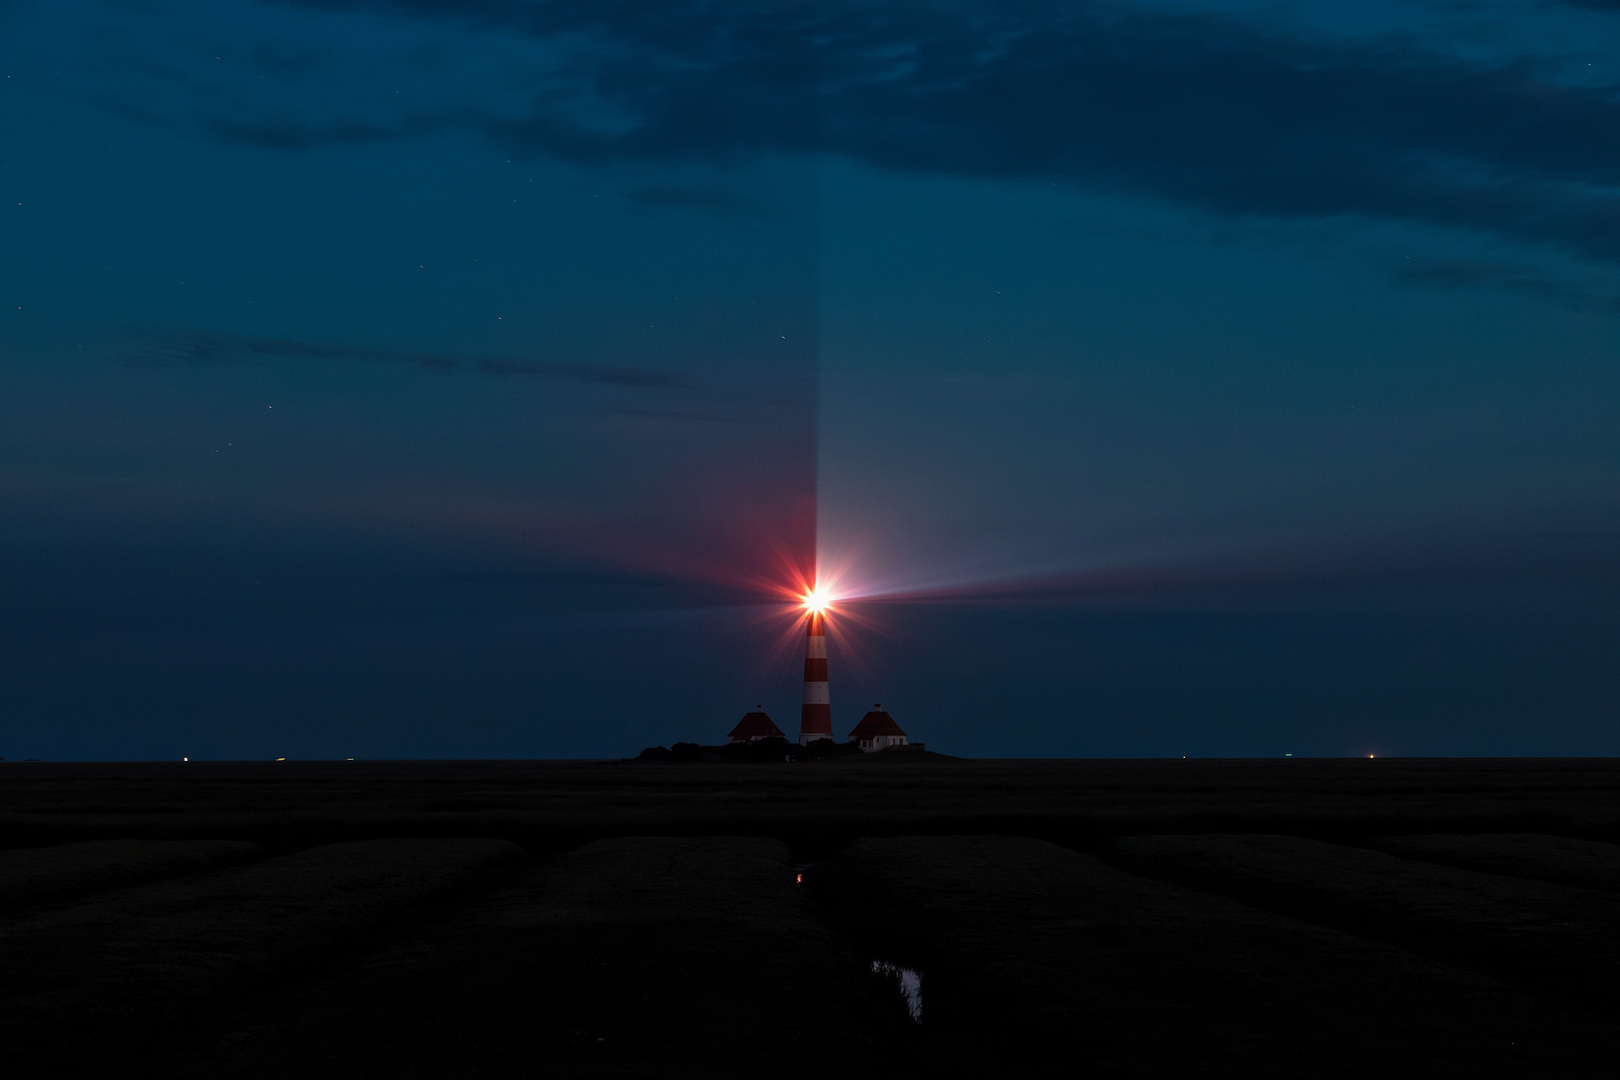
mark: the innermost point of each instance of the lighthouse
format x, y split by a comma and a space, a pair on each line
815, 717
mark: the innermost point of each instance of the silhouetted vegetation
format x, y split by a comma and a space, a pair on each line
757, 751
828, 750
760, 751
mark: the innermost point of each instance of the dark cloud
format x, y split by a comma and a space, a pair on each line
1476, 273
1203, 109
170, 348
709, 200
668, 414
286, 59
292, 132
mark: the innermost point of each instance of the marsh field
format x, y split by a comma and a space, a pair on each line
1083, 918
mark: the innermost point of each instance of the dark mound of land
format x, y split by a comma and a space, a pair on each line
780, 751
1030, 951
721, 918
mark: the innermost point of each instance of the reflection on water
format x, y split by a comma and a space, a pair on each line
910, 985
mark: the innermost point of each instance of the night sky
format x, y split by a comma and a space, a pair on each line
478, 378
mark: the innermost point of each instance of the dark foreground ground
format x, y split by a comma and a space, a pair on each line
1111, 919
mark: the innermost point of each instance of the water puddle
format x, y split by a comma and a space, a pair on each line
909, 981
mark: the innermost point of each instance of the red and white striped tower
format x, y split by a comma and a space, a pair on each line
815, 717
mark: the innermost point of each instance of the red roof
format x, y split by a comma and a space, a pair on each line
875, 723
756, 725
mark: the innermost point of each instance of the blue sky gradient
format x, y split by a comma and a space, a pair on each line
423, 379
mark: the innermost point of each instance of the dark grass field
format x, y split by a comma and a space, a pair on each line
637, 956
1032, 952
1130, 919
1562, 939
1583, 864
